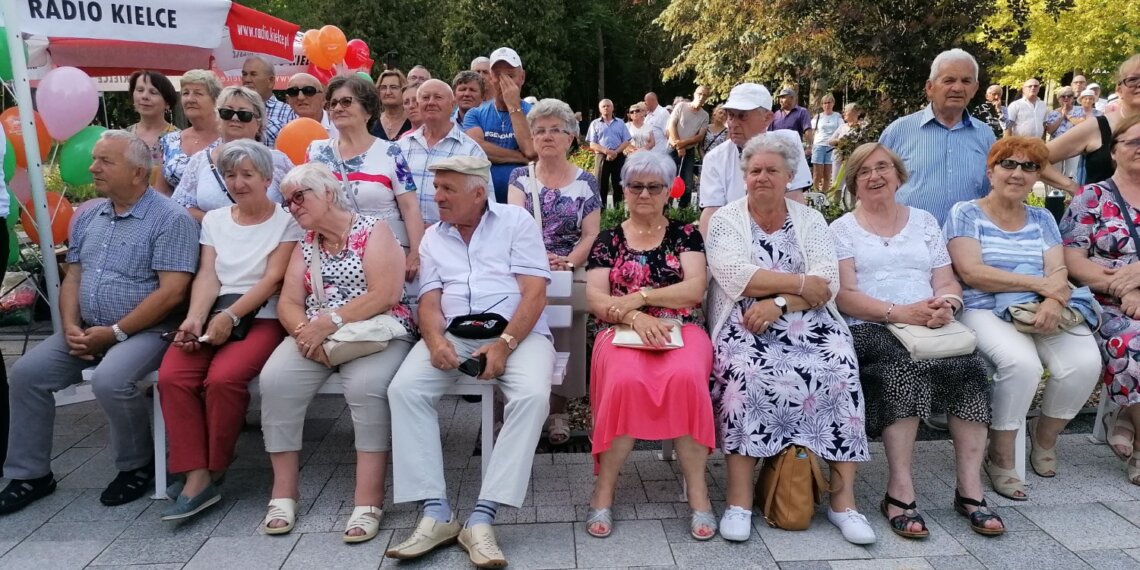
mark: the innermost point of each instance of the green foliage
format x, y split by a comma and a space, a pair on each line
611, 217
583, 158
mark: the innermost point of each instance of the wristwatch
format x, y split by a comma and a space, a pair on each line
782, 303
512, 343
336, 320
120, 336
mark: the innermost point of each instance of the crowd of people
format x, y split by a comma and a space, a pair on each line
435, 213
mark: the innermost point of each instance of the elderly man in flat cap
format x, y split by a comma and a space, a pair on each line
483, 277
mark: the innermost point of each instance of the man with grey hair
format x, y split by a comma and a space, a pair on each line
1027, 114
306, 96
418, 74
608, 137
437, 139
131, 261
257, 74
943, 147
482, 66
481, 257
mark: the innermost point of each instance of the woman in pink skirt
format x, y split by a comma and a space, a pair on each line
649, 275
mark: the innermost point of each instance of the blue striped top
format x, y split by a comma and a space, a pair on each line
1001, 249
946, 165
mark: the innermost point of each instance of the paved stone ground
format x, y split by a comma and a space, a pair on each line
1087, 517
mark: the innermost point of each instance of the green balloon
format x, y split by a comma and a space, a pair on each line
9, 161
13, 210
75, 156
365, 76
6, 55
13, 247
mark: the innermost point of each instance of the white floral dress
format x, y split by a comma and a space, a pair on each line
797, 383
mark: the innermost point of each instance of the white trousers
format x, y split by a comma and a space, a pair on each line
417, 452
1018, 360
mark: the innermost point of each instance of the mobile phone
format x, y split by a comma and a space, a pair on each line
473, 367
169, 336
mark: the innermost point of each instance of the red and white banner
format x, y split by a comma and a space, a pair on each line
177, 22
257, 32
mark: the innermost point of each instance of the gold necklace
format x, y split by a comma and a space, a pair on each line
647, 232
343, 237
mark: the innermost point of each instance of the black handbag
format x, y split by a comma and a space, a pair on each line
478, 326
243, 325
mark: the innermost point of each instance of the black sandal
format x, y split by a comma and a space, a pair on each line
128, 486
22, 492
900, 523
980, 517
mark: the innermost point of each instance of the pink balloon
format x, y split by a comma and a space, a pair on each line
67, 101
80, 209
20, 185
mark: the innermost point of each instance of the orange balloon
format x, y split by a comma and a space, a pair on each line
60, 211
295, 136
334, 45
311, 45
10, 120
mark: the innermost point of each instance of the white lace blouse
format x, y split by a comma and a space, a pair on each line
901, 270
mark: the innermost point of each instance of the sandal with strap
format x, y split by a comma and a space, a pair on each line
558, 430
602, 517
1121, 434
22, 492
1043, 461
979, 517
1134, 468
1005, 481
280, 510
900, 523
702, 520
366, 518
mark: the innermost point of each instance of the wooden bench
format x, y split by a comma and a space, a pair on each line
559, 317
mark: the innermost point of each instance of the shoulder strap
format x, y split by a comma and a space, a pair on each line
214, 171
333, 144
1105, 130
1125, 211
535, 202
315, 276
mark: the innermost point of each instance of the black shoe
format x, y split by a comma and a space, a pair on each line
128, 486
472, 398
22, 492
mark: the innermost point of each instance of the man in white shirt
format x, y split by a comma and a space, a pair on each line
1027, 115
306, 96
657, 117
482, 257
749, 109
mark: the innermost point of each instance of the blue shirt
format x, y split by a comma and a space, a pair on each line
611, 135
946, 165
121, 254
1021, 251
497, 129
277, 115
798, 119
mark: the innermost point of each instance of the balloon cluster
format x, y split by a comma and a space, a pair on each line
329, 51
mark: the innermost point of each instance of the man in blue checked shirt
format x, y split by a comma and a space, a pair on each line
131, 260
608, 137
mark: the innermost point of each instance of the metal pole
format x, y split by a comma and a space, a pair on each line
23, 90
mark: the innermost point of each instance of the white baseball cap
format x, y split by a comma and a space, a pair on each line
508, 55
1092, 86
748, 96
1087, 93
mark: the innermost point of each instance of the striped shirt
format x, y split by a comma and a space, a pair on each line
946, 165
416, 152
1001, 249
121, 254
277, 115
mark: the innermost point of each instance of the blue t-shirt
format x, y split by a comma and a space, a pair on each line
1001, 249
497, 129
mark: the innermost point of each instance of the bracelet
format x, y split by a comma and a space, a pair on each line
233, 317
803, 279
634, 319
889, 309
644, 296
1058, 269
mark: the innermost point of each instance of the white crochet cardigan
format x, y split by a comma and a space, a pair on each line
729, 251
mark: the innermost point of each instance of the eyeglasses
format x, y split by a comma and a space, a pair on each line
653, 189
244, 116
345, 102
1064, 96
1130, 143
632, 111
1011, 164
296, 199
1034, 86
539, 132
1131, 82
389, 88
879, 169
308, 90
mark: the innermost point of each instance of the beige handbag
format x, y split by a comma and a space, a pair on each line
625, 336
925, 343
788, 489
1025, 314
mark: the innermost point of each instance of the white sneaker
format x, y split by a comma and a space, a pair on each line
854, 526
736, 524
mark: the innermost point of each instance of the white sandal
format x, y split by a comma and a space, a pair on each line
280, 510
365, 518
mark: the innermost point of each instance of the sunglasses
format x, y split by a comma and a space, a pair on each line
653, 189
296, 199
244, 116
1010, 164
345, 102
308, 90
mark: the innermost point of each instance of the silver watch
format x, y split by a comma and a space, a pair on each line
336, 320
781, 303
120, 336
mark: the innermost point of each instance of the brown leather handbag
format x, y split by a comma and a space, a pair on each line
789, 488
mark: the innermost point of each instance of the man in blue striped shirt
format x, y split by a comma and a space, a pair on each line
608, 137
943, 147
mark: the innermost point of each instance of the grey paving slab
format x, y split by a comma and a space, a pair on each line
87, 507
821, 541
721, 554
252, 553
538, 545
451, 557
1084, 526
633, 543
965, 562
1028, 550
6, 545
328, 550
105, 531
37, 555
805, 565
893, 564
1133, 552
70, 460
141, 567
22, 523
1109, 559
1129, 510
890, 545
129, 551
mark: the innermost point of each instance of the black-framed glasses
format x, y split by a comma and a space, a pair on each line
1011, 164
653, 189
880, 169
296, 199
345, 102
307, 90
244, 116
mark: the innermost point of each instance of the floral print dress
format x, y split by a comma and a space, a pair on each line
563, 209
1094, 223
795, 384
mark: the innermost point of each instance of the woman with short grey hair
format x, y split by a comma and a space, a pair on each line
199, 96
780, 345
567, 210
230, 329
202, 189
360, 277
